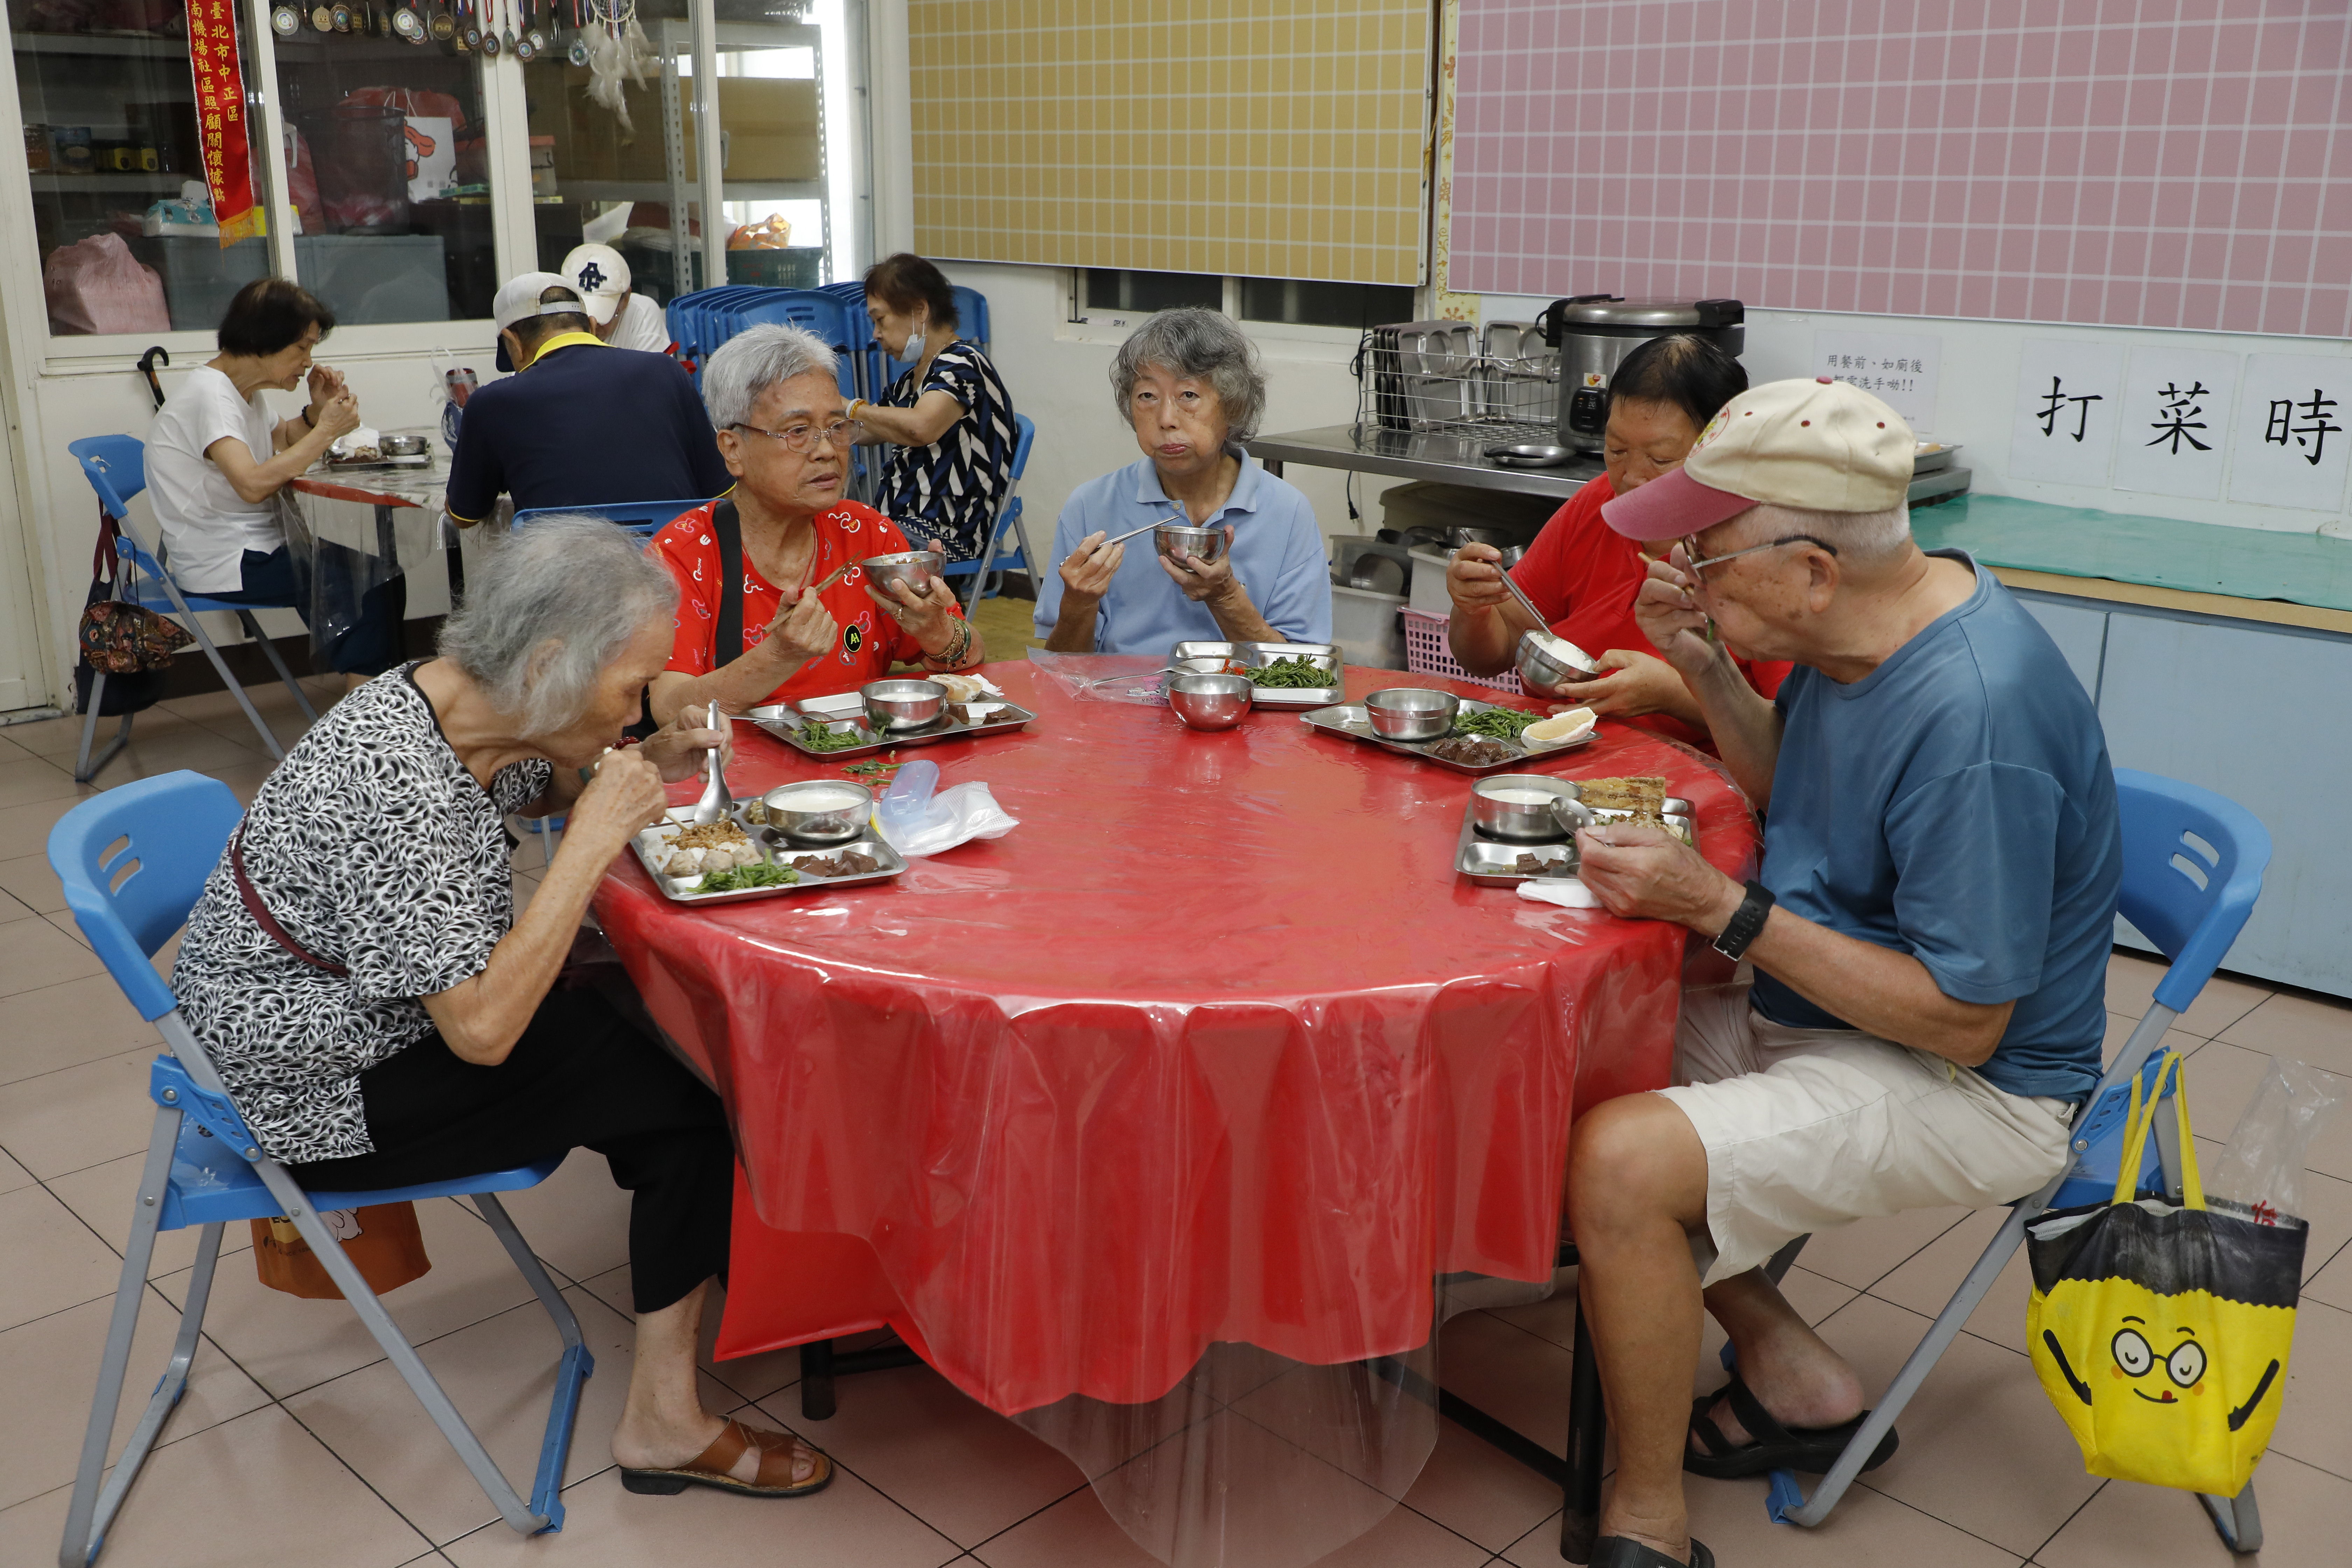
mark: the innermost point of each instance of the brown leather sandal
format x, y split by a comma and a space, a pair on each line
710, 1468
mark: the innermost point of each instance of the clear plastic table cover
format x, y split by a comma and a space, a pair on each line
1173, 1124
350, 534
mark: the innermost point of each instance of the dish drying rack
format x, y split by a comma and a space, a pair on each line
1498, 384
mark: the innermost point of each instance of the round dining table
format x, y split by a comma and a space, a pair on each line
1214, 1055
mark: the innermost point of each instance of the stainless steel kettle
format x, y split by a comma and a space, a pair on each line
1594, 331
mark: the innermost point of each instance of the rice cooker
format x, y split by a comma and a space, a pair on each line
1594, 331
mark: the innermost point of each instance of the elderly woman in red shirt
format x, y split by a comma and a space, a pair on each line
811, 623
1583, 574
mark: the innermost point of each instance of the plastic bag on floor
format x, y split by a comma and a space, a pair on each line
2262, 1170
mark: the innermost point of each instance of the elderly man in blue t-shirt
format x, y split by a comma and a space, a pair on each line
1928, 936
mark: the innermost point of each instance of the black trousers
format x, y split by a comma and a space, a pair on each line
581, 1076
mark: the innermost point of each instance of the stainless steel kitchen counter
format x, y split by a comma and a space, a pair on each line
1446, 458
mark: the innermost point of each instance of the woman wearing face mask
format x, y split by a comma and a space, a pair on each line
948, 415
1583, 574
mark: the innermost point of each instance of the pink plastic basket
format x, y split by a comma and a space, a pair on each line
1426, 653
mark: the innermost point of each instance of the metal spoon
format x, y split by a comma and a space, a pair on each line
716, 804
1162, 522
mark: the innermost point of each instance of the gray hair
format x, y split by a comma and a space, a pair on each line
1860, 535
754, 360
1204, 344
556, 602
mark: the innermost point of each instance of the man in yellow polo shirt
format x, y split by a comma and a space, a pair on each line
581, 423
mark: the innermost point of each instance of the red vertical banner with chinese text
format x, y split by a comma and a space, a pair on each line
220, 118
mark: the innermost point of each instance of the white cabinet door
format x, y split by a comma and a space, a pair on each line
2257, 716
2080, 633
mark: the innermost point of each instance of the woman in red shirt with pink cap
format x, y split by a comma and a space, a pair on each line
1584, 575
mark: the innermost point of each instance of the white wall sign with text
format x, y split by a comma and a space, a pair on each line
2174, 433
2291, 445
2070, 396
1898, 369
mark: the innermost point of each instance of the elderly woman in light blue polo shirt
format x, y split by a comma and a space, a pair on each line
1189, 385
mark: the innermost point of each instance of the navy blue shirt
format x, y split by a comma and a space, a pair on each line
585, 424
1957, 803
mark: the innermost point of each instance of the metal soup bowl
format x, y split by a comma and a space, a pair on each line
402, 445
1412, 712
894, 705
1206, 545
1547, 663
1210, 702
795, 810
1523, 821
913, 567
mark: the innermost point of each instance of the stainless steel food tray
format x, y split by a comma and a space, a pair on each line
1482, 859
1258, 655
376, 465
1351, 719
778, 851
784, 720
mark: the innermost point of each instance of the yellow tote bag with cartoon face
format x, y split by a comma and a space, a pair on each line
2161, 1334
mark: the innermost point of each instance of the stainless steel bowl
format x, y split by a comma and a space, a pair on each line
1206, 545
1547, 663
404, 446
912, 567
793, 810
896, 705
1210, 702
1524, 821
1412, 712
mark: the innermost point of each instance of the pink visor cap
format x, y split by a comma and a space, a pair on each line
1818, 445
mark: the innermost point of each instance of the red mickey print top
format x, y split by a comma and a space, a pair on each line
869, 642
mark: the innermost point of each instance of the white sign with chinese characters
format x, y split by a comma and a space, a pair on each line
2290, 447
2069, 402
2176, 422
1898, 370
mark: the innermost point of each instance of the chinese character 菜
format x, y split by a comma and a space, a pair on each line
2315, 411
2178, 416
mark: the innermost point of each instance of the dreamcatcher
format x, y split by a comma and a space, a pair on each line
617, 48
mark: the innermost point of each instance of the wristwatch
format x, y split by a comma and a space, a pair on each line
1745, 923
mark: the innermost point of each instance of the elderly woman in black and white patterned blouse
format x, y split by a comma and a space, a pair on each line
382, 1017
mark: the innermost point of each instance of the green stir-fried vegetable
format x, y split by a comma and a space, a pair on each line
735, 879
1296, 672
1495, 723
823, 737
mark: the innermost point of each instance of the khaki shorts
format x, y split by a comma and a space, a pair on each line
1807, 1129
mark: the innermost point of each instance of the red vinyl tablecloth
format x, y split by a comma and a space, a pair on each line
1215, 1046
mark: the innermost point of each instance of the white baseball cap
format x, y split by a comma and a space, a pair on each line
1823, 444
602, 276
517, 300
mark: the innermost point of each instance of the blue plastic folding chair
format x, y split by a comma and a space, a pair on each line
116, 467
2193, 864
643, 518
134, 861
995, 558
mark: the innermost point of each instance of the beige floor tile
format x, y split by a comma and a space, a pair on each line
1476, 1490
1075, 1530
577, 1220
64, 1025
2222, 1079
1980, 1447
2332, 1282
25, 829
2306, 1028
220, 709
956, 1465
34, 953
244, 783
254, 1492
1861, 1254
1513, 1377
195, 749
1926, 1283
32, 779
61, 738
78, 1117
2131, 986
2305, 1513
2119, 1032
104, 1196
28, 881
500, 1373
2314, 1421
848, 1523
53, 1260
12, 1175
746, 1378
289, 1343
50, 1367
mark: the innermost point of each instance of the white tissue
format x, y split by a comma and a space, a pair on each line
955, 816
1569, 894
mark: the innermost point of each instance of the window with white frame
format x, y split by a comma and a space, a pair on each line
1117, 297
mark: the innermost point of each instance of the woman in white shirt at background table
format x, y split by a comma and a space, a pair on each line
218, 465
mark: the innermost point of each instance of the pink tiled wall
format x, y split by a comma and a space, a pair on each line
2145, 163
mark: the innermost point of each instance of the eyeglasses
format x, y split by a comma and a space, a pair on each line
1693, 563
805, 438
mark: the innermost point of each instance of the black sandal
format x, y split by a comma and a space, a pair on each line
1772, 1447
1624, 1552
